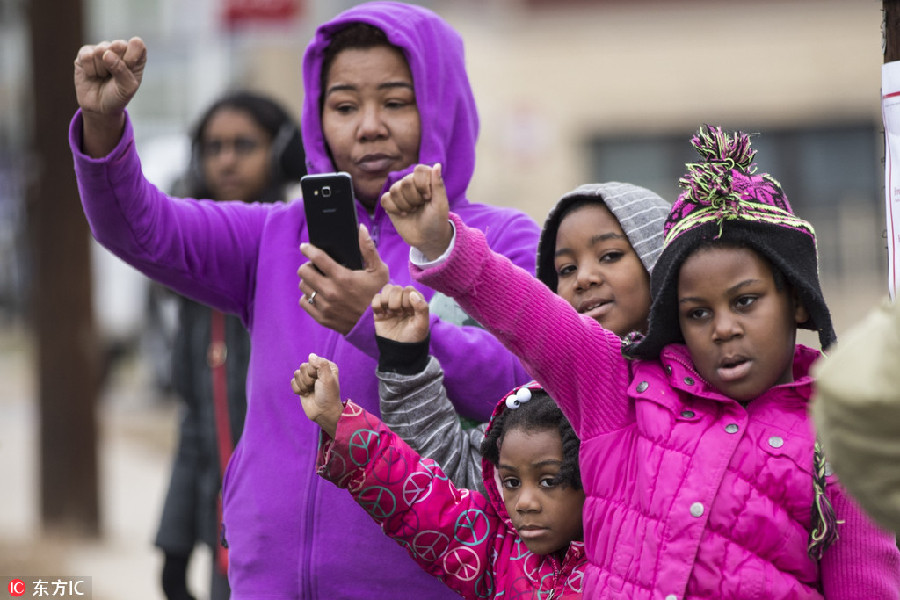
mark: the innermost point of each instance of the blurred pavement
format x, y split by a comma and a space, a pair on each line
137, 435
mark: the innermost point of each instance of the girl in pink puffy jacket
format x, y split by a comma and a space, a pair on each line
520, 539
699, 460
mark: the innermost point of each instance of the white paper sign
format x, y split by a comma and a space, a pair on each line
890, 112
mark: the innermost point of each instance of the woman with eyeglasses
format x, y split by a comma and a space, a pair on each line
247, 147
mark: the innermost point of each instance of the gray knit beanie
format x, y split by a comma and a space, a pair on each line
641, 214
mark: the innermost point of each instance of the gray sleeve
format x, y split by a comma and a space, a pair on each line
417, 409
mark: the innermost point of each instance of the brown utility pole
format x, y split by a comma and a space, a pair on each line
67, 346
891, 32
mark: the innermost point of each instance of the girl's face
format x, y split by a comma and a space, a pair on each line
546, 514
739, 328
235, 156
370, 118
598, 271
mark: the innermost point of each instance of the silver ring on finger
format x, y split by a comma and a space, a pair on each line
312, 298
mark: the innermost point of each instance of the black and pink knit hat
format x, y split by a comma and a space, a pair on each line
723, 199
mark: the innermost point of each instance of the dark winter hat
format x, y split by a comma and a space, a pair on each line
640, 212
723, 200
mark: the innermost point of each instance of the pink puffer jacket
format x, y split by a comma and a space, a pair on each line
689, 493
461, 536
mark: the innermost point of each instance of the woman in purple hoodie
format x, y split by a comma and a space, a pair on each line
386, 87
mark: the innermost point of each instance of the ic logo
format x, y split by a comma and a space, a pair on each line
16, 587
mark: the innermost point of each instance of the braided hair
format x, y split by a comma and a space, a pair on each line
538, 414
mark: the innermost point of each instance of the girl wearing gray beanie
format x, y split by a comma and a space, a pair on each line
701, 470
596, 250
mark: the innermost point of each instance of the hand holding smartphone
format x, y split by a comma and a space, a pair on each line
331, 217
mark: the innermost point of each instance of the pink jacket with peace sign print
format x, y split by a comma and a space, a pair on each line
461, 536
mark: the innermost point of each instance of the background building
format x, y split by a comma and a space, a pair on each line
569, 91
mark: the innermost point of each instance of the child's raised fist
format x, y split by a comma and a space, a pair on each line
401, 314
316, 382
418, 207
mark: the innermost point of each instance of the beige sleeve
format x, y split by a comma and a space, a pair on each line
857, 412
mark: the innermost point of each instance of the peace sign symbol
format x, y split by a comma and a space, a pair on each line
484, 585
522, 588
575, 580
379, 502
391, 467
547, 592
407, 529
335, 469
372, 421
356, 480
433, 468
520, 550
416, 488
472, 527
462, 563
532, 567
359, 446
429, 545
353, 409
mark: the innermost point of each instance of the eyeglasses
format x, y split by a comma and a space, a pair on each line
241, 146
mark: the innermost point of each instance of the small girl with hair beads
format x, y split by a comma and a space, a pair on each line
521, 539
701, 468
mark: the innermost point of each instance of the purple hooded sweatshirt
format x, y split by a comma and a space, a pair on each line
292, 535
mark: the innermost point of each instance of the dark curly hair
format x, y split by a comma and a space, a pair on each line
539, 413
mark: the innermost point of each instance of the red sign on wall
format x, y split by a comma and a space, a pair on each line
245, 12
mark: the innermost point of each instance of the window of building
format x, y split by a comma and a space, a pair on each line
832, 175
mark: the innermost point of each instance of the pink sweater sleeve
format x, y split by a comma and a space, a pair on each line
864, 561
579, 363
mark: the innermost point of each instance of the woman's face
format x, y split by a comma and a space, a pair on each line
370, 118
235, 156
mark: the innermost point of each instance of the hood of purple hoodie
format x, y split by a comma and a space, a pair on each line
447, 112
